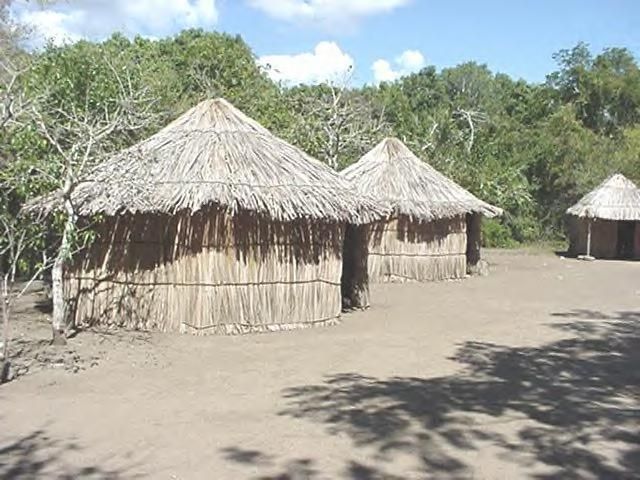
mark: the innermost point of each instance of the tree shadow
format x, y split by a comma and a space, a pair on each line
303, 468
299, 469
38, 455
247, 456
568, 409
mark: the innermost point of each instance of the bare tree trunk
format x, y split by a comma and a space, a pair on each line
472, 133
44, 261
59, 320
470, 117
5, 365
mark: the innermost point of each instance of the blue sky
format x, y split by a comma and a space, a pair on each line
313, 40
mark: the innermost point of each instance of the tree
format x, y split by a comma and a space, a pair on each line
200, 65
13, 62
15, 235
83, 103
80, 138
604, 90
334, 122
18, 237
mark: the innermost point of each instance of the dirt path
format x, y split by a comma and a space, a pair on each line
529, 373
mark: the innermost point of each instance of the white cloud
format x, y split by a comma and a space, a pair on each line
69, 20
51, 25
383, 72
327, 62
407, 62
411, 60
327, 12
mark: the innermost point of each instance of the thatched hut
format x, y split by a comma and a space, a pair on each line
605, 223
434, 232
215, 225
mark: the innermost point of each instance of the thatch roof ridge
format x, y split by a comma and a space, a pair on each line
395, 176
616, 198
215, 154
216, 114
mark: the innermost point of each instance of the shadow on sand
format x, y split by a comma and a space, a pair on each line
569, 409
299, 469
38, 455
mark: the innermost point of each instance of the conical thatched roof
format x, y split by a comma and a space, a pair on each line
214, 154
392, 174
617, 198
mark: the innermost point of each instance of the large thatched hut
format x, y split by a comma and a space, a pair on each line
434, 230
605, 223
215, 225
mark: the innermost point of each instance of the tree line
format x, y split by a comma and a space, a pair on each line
532, 149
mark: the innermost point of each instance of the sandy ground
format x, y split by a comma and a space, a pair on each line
532, 372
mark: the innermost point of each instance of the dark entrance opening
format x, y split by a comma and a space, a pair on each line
626, 239
474, 240
355, 276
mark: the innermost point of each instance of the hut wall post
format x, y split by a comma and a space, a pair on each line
588, 237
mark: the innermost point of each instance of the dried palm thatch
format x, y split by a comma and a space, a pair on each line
425, 237
402, 249
617, 198
209, 273
214, 154
213, 225
392, 174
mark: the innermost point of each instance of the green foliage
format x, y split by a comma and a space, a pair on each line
604, 90
531, 149
496, 235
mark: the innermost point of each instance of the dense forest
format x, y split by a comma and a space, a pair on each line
532, 149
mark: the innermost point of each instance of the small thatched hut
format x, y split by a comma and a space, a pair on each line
605, 223
434, 230
215, 225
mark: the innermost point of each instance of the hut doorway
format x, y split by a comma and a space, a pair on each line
355, 277
474, 239
626, 239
